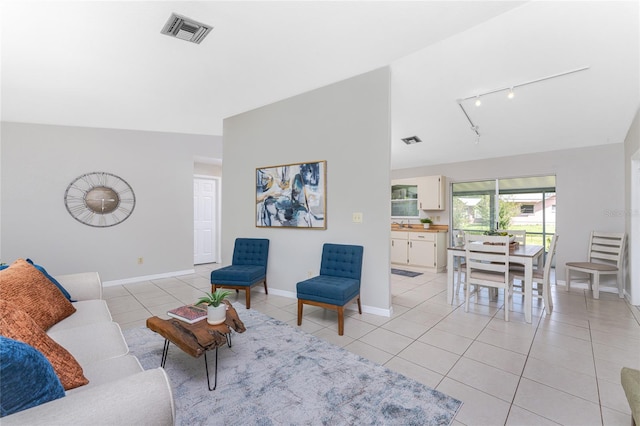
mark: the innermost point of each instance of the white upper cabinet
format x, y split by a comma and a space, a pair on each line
431, 192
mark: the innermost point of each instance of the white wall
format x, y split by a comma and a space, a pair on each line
589, 187
39, 162
347, 124
632, 207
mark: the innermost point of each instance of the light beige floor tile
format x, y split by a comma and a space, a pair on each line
407, 328
581, 385
130, 316
608, 370
447, 341
356, 328
574, 344
331, 336
613, 396
121, 304
556, 405
114, 291
164, 299
614, 418
521, 417
278, 314
369, 352
565, 329
143, 287
468, 330
610, 353
495, 356
430, 357
505, 341
386, 340
580, 362
478, 408
423, 375
376, 320
485, 378
626, 343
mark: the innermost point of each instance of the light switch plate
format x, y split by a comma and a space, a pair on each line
357, 218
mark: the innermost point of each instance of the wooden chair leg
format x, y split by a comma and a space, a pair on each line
265, 287
340, 320
213, 288
359, 306
247, 297
300, 312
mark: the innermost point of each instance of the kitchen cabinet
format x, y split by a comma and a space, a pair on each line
431, 192
424, 249
399, 245
409, 196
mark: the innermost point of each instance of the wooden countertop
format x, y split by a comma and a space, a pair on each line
420, 228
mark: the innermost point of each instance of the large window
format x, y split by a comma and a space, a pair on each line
527, 203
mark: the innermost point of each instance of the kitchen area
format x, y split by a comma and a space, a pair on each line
418, 237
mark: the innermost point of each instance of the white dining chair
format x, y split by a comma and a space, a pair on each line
487, 259
606, 254
542, 277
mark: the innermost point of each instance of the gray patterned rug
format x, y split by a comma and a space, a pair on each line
276, 374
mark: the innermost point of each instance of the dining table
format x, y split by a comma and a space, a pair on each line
523, 254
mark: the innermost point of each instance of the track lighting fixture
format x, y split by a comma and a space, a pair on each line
510, 95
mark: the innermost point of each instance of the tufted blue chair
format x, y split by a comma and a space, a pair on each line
338, 283
248, 267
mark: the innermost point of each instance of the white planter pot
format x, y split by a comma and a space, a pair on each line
216, 315
426, 225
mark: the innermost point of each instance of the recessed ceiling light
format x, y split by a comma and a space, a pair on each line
411, 140
184, 28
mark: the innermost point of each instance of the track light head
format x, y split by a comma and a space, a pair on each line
478, 101
510, 95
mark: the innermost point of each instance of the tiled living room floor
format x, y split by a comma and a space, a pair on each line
562, 369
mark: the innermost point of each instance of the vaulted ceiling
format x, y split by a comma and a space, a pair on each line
105, 64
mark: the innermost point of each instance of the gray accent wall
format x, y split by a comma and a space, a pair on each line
39, 161
589, 187
348, 125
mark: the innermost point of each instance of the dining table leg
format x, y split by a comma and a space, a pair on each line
450, 283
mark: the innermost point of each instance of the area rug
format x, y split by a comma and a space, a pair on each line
405, 273
277, 374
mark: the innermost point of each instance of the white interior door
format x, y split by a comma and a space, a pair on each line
205, 196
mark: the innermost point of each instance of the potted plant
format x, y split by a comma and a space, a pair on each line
216, 309
426, 222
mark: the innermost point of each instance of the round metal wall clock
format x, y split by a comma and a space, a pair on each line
99, 199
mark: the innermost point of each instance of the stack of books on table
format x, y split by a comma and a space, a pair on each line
189, 313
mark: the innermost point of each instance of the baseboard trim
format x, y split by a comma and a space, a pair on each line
147, 278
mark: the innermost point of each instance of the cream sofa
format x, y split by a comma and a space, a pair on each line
119, 392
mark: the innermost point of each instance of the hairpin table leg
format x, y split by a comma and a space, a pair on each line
165, 351
215, 374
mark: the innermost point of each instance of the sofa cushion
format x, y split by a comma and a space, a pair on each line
93, 342
29, 290
108, 370
53, 280
17, 325
27, 378
87, 312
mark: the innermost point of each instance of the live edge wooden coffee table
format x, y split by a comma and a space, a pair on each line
197, 339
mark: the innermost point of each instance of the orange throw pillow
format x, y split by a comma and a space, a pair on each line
18, 325
29, 290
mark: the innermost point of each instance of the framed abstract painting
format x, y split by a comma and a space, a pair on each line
292, 196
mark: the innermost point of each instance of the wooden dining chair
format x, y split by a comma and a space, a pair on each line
487, 259
542, 277
606, 256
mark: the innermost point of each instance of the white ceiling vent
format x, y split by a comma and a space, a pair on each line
186, 28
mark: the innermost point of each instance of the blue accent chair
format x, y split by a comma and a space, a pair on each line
248, 268
338, 283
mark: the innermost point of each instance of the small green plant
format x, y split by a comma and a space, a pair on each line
214, 299
426, 220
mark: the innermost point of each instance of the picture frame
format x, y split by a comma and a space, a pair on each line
292, 196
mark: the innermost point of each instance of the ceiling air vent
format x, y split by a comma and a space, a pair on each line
411, 140
185, 28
